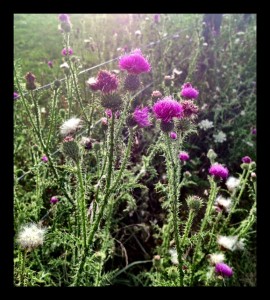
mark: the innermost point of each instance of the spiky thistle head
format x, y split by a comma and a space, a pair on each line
194, 203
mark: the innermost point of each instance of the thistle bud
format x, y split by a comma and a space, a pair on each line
166, 126
194, 203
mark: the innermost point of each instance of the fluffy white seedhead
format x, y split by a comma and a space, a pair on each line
232, 183
231, 242
70, 126
223, 203
216, 258
31, 236
174, 258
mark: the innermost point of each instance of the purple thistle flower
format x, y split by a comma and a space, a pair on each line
141, 116
254, 131
50, 63
173, 135
44, 158
64, 18
189, 92
168, 108
108, 113
54, 200
190, 109
134, 63
106, 82
30, 77
157, 18
246, 160
223, 270
64, 51
183, 156
15, 96
218, 170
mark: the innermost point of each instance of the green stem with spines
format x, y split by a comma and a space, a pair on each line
191, 216
53, 121
104, 204
81, 203
173, 186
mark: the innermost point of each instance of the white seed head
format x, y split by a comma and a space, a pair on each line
232, 183
231, 242
31, 236
224, 203
64, 66
174, 258
70, 126
216, 258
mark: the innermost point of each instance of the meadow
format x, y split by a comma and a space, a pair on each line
135, 150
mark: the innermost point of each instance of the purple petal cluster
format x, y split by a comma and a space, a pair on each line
45, 159
54, 200
246, 160
15, 96
173, 135
65, 52
183, 156
189, 92
168, 108
105, 82
50, 63
64, 18
218, 170
134, 63
223, 270
190, 109
141, 116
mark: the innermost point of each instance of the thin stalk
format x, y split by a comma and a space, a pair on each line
53, 121
173, 186
191, 216
23, 258
106, 198
38, 260
82, 203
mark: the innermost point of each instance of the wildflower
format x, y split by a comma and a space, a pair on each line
190, 109
174, 258
105, 82
16, 96
222, 203
246, 160
223, 270
86, 142
104, 121
232, 183
141, 116
30, 81
54, 200
218, 170
167, 80
71, 149
216, 258
70, 126
189, 92
64, 18
230, 242
138, 33
111, 101
157, 18
183, 156
50, 63
31, 236
205, 124
64, 66
220, 137
173, 135
134, 63
156, 94
66, 52
194, 203
168, 108
44, 158
254, 131
132, 82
